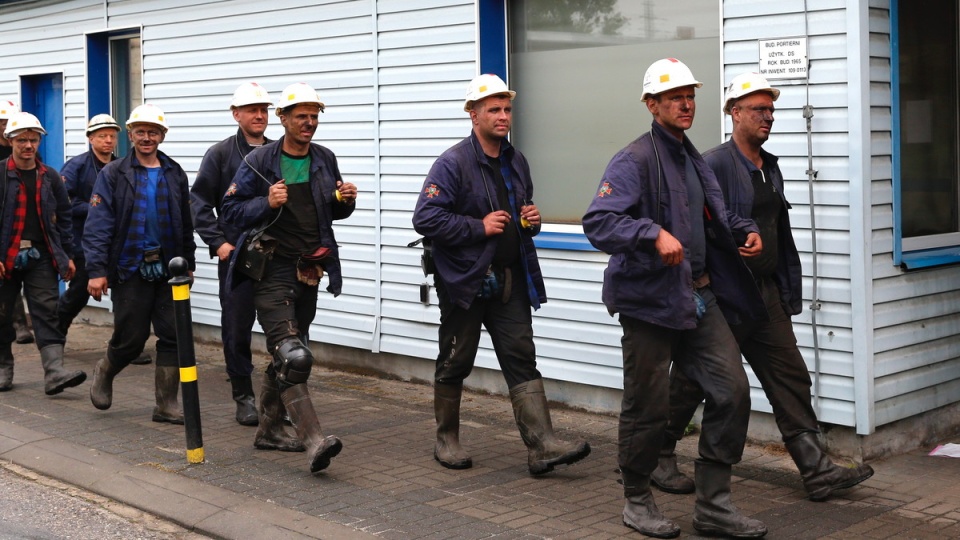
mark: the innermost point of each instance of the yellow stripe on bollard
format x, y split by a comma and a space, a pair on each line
181, 292
188, 374
195, 456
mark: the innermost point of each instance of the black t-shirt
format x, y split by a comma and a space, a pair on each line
766, 214
5, 151
297, 228
31, 226
508, 243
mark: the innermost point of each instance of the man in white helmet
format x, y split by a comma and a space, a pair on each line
476, 208
7, 108
79, 175
138, 220
675, 262
250, 110
35, 251
752, 186
291, 191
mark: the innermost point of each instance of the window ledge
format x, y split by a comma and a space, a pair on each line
563, 240
928, 258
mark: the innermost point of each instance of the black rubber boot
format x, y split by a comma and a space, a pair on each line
167, 385
6, 367
821, 477
714, 513
667, 476
101, 391
545, 450
24, 335
321, 449
640, 512
55, 377
271, 435
246, 402
446, 407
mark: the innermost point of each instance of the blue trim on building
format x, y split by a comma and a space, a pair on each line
493, 37
558, 240
98, 74
929, 258
898, 255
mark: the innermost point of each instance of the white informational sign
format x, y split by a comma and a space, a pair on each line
784, 58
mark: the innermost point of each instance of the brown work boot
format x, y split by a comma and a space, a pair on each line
242, 389
101, 390
6, 367
544, 450
640, 512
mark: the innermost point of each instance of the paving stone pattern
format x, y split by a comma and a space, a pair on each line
385, 482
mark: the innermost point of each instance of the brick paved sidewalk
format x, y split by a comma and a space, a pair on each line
385, 482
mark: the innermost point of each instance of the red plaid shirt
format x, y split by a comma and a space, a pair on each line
20, 212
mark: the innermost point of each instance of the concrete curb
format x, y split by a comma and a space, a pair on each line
190, 503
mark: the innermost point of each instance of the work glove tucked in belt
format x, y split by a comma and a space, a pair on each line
24, 256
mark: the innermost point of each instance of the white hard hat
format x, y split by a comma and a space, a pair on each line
250, 93
666, 74
101, 121
7, 108
148, 114
484, 86
745, 84
296, 94
22, 121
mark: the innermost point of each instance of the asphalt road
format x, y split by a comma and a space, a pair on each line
40, 508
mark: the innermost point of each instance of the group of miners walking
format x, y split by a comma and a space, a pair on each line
703, 268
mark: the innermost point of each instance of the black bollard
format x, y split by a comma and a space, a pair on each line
188, 362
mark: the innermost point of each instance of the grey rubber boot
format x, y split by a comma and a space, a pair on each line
6, 367
320, 449
167, 386
446, 407
640, 512
821, 477
667, 476
714, 513
101, 390
55, 377
246, 402
24, 335
271, 433
544, 450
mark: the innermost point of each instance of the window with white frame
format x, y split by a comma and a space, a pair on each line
115, 76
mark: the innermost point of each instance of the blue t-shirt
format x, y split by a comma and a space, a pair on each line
151, 231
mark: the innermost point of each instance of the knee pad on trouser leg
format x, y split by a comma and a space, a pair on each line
292, 362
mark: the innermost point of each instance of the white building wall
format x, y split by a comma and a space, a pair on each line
392, 73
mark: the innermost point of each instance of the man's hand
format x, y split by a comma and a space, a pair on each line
752, 247
224, 251
71, 271
531, 213
2, 271
347, 192
496, 222
97, 287
277, 195
669, 248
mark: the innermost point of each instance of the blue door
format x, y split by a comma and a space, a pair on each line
42, 96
